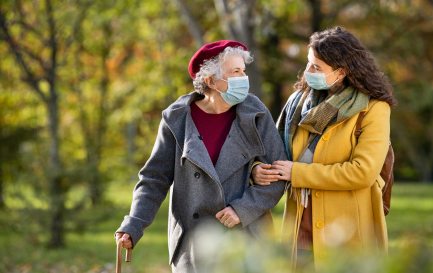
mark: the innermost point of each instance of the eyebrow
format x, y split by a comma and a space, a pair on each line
317, 66
309, 64
314, 65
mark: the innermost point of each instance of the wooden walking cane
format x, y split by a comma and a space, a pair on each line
119, 256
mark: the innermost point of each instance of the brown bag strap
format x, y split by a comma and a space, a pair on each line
387, 169
119, 256
358, 124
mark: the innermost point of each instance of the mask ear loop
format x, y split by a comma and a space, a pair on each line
336, 80
227, 86
212, 83
332, 84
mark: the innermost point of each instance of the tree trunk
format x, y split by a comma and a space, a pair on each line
57, 188
2, 156
96, 193
57, 227
316, 15
192, 24
420, 161
2, 201
277, 101
427, 173
237, 20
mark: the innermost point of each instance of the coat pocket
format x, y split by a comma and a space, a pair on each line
175, 236
380, 230
380, 182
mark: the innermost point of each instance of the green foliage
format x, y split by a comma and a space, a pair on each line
410, 225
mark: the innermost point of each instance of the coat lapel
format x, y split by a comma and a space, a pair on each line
240, 146
195, 151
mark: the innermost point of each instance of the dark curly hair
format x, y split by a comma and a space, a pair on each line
340, 49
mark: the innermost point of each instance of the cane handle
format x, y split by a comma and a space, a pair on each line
119, 256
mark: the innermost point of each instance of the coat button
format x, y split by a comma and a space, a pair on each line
325, 137
317, 194
197, 175
195, 215
319, 224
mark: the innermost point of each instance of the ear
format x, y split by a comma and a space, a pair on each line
209, 82
342, 73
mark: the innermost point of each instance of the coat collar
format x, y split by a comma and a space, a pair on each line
242, 144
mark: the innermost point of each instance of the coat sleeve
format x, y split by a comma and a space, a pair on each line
257, 199
155, 179
367, 158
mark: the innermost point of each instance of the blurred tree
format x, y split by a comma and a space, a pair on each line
97, 63
36, 53
16, 128
316, 15
237, 21
11, 138
193, 26
119, 66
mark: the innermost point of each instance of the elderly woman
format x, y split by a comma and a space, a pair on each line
205, 147
335, 199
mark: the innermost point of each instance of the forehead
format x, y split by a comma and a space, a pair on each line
315, 60
233, 62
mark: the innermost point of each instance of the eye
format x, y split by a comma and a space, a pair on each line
312, 67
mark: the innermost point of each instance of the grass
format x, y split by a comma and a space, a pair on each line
92, 249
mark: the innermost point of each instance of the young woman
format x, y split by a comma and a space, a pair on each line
335, 196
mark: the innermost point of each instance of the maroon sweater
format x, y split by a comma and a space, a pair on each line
213, 128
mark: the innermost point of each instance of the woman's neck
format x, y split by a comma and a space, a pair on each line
213, 103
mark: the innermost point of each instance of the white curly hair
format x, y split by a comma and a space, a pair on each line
212, 67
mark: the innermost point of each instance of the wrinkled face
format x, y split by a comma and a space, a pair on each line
316, 65
233, 66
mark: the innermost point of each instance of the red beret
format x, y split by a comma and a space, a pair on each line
208, 51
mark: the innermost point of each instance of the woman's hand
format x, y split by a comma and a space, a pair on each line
263, 174
125, 238
228, 217
284, 168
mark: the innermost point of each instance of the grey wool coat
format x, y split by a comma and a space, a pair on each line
180, 163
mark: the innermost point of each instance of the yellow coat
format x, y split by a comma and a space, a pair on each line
346, 185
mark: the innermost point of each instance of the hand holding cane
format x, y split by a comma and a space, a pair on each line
119, 256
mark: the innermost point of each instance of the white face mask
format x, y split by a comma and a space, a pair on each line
237, 90
317, 80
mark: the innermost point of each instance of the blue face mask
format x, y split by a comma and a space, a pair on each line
237, 90
318, 80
